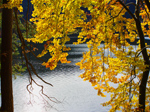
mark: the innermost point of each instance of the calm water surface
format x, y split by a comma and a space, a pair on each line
74, 94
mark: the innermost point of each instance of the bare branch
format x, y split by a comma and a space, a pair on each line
34, 71
116, 15
122, 10
131, 3
31, 80
23, 45
132, 15
136, 55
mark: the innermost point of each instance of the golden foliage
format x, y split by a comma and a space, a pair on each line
105, 65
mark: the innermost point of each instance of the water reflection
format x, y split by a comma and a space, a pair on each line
75, 95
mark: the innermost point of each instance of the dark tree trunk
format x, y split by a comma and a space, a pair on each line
6, 61
142, 87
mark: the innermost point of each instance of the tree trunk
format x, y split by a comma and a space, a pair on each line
6, 61
142, 87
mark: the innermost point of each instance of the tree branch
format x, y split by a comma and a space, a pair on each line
23, 45
148, 4
132, 15
31, 80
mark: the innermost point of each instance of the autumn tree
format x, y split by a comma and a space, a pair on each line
111, 59
6, 53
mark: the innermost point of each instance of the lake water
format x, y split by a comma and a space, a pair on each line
74, 94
